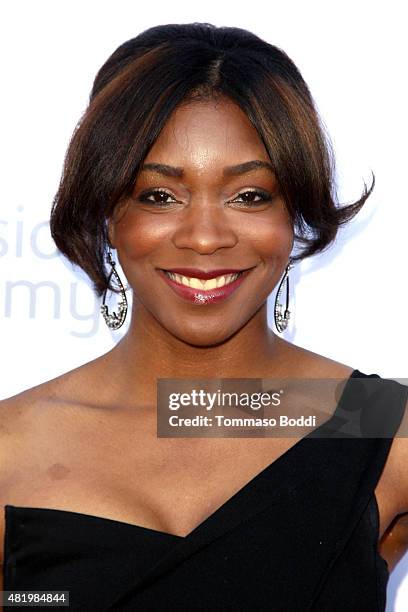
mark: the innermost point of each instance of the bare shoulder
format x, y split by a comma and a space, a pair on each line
19, 416
310, 364
70, 387
18, 407
17, 411
46, 427
27, 414
394, 488
397, 463
394, 478
42, 429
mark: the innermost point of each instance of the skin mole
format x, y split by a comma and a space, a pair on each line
58, 471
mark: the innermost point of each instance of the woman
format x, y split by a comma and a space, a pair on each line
201, 155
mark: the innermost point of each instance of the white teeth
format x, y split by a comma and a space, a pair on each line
205, 285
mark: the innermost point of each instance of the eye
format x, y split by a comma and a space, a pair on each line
250, 195
153, 193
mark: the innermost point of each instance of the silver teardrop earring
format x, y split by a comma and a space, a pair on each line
282, 318
114, 320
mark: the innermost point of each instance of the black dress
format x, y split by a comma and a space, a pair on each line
300, 536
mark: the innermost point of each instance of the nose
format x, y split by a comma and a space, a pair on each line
205, 228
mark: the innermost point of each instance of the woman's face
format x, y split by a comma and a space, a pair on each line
216, 212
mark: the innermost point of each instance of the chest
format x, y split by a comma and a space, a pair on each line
164, 484
252, 554
172, 485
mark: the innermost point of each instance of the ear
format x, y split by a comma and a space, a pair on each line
111, 232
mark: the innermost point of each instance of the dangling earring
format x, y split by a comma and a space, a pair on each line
114, 320
282, 319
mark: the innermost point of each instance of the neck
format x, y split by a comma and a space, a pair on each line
148, 351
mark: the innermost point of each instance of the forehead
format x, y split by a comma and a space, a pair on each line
202, 132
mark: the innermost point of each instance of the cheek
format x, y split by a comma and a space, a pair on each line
271, 237
138, 235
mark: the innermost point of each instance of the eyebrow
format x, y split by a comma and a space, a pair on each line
178, 172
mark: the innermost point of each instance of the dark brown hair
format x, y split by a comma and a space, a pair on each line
133, 95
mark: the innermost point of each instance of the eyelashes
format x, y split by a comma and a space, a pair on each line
263, 196
146, 194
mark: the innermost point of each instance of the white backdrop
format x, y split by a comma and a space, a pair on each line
349, 304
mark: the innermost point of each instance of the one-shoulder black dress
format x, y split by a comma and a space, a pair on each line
300, 536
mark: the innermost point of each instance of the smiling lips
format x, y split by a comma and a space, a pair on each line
200, 287
197, 273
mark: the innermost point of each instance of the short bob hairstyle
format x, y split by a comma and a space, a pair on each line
133, 95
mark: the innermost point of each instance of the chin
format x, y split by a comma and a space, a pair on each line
202, 335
